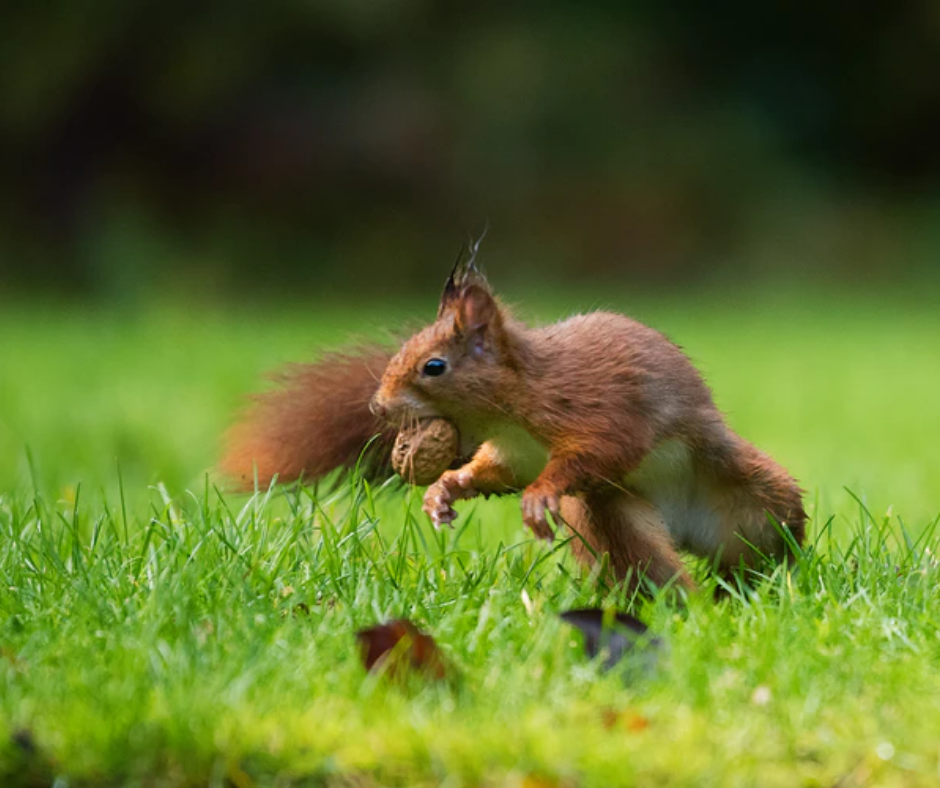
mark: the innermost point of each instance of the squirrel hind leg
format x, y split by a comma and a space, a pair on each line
751, 516
630, 530
750, 530
750, 498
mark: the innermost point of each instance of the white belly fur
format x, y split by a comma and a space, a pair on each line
667, 477
518, 450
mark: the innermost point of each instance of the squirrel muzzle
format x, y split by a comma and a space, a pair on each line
378, 409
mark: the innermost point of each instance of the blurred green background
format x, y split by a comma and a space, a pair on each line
224, 150
195, 193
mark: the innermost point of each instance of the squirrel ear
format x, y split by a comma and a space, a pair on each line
477, 315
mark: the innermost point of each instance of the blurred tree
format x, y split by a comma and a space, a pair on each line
336, 143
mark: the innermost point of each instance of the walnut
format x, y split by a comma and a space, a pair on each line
424, 451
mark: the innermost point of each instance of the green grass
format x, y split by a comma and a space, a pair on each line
153, 628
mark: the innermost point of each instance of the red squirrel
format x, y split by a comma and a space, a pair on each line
598, 420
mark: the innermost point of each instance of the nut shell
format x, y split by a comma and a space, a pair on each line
423, 452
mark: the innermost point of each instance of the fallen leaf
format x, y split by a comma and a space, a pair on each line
609, 632
630, 720
24, 741
10, 656
539, 781
635, 722
398, 647
26, 760
239, 777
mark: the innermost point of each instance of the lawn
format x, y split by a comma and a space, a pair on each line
157, 630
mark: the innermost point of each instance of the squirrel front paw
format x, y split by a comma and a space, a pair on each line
536, 501
439, 498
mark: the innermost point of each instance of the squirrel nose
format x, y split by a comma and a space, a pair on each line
377, 408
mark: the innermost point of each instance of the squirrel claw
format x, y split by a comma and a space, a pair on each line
440, 496
535, 506
439, 510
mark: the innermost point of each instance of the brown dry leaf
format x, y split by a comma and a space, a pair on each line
539, 781
635, 722
32, 767
630, 721
609, 718
399, 647
10, 656
239, 778
611, 634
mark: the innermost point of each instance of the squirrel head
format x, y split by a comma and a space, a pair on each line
451, 368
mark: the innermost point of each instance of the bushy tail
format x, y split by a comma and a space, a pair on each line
317, 420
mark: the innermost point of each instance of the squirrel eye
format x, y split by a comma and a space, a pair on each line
434, 367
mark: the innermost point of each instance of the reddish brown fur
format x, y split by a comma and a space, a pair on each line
600, 392
574, 413
630, 531
316, 421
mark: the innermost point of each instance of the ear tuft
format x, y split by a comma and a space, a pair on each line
463, 275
